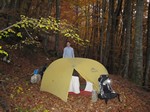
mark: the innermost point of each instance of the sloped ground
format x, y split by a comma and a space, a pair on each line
22, 96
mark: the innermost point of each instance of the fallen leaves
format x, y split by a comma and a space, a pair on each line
27, 97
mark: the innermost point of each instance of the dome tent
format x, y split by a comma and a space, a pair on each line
57, 76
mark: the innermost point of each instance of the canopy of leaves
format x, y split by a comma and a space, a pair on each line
46, 25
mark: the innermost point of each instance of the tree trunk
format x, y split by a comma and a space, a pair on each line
3, 4
137, 70
57, 34
128, 17
25, 6
102, 30
94, 35
96, 50
45, 44
87, 33
147, 71
50, 4
107, 46
113, 35
13, 4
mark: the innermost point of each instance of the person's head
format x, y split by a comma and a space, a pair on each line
68, 44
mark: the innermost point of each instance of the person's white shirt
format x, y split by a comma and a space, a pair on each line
68, 51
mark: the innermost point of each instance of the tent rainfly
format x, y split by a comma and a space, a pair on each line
57, 76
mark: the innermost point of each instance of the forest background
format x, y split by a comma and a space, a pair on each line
114, 32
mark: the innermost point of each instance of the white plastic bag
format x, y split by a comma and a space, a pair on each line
36, 78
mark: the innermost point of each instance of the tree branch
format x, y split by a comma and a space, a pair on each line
10, 26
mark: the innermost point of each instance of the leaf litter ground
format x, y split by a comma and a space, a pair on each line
22, 96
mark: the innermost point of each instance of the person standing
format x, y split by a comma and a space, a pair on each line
68, 51
74, 83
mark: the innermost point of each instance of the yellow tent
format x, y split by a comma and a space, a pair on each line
57, 76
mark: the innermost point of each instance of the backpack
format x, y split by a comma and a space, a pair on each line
38, 74
36, 77
106, 91
42, 69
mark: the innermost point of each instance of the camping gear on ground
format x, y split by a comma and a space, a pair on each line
38, 74
106, 91
35, 71
42, 69
35, 78
94, 96
57, 76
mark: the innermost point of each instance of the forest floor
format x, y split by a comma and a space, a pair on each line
19, 95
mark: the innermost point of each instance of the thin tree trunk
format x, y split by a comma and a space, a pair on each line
95, 30
25, 6
92, 36
57, 19
50, 4
121, 69
137, 70
87, 26
112, 39
102, 30
147, 71
77, 26
3, 5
